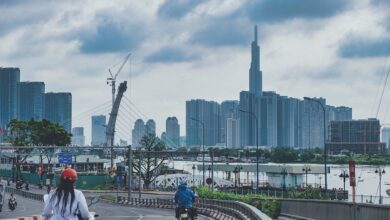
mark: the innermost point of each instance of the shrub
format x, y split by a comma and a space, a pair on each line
269, 207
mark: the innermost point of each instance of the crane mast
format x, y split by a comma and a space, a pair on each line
111, 80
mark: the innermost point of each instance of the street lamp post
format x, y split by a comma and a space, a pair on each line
306, 169
344, 175
236, 171
325, 147
257, 148
193, 176
200, 122
380, 172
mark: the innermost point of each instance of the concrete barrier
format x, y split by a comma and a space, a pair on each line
335, 210
217, 209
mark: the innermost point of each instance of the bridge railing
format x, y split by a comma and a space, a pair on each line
218, 209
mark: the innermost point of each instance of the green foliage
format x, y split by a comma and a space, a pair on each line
309, 193
24, 133
284, 155
268, 206
108, 197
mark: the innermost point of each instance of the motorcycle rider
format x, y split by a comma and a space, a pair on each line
65, 202
12, 202
184, 197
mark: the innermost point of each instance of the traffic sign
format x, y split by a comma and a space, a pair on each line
65, 158
209, 181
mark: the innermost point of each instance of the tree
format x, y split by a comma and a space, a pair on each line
283, 155
149, 159
31, 133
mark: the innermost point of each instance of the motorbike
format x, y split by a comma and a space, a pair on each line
12, 204
187, 214
93, 201
18, 185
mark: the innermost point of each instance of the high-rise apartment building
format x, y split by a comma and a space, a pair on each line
58, 108
9, 95
172, 129
269, 119
355, 136
208, 113
232, 133
247, 122
229, 110
32, 100
150, 127
98, 130
78, 138
138, 132
385, 136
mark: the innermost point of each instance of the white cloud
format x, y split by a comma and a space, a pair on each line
299, 54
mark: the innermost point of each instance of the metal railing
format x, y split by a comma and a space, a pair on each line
29, 195
218, 209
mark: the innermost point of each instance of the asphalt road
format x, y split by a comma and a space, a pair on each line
27, 207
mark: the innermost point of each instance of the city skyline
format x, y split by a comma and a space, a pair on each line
299, 50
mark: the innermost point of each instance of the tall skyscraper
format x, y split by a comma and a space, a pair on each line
208, 112
150, 127
9, 95
98, 130
78, 138
172, 129
229, 109
32, 100
58, 108
138, 132
255, 74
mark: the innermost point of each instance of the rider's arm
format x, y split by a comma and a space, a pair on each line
176, 197
83, 206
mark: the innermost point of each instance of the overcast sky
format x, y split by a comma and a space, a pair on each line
185, 49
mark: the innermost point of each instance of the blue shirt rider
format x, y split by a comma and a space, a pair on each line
184, 197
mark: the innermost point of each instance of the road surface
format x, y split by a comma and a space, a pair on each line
27, 207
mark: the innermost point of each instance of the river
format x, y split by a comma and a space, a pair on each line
367, 181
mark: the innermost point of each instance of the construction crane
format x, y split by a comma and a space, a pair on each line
111, 80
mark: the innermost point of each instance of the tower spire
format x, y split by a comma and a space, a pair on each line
255, 33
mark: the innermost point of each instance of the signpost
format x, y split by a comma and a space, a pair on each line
209, 181
65, 158
352, 178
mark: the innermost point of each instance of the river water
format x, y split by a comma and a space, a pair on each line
367, 181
